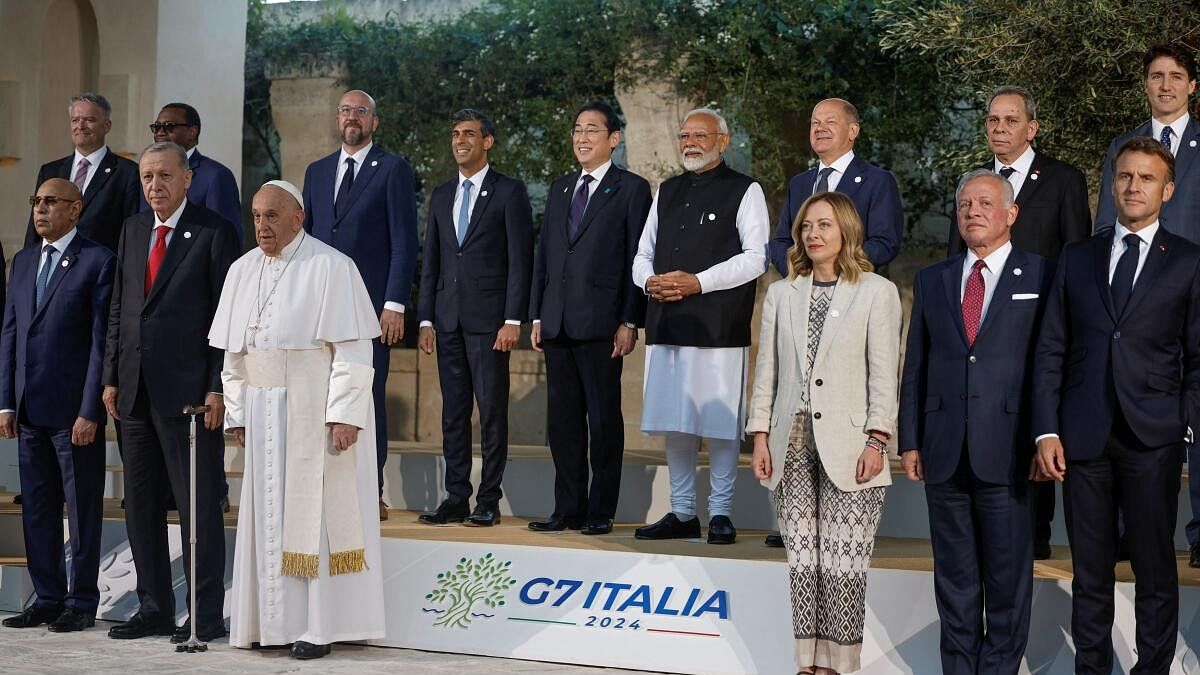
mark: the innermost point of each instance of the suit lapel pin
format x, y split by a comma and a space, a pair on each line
66, 262
187, 235
374, 162
109, 169
1034, 175
1192, 144
712, 216
1017, 272
607, 190
566, 190
858, 179
483, 194
1161, 248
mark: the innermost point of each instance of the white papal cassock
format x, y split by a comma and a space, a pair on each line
292, 325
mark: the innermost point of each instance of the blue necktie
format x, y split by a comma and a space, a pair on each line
343, 193
464, 211
1165, 138
43, 277
823, 180
1122, 281
578, 206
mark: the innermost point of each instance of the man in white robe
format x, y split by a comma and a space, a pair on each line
703, 247
296, 325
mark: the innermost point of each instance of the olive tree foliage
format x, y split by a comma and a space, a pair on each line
1080, 58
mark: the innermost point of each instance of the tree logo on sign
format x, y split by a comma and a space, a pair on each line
469, 584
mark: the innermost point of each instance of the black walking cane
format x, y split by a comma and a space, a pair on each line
193, 644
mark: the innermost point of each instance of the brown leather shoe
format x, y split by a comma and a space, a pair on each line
383, 511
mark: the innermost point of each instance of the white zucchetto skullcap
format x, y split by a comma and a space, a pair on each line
288, 188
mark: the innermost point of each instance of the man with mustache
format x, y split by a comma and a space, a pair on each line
703, 247
360, 200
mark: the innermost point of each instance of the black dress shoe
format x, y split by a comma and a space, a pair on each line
484, 515
140, 626
1042, 550
207, 634
556, 524
670, 527
599, 526
774, 540
307, 650
447, 512
1194, 559
34, 616
721, 530
70, 621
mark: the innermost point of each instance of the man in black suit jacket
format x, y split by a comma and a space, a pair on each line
586, 311
109, 182
474, 295
1116, 396
964, 427
173, 261
1052, 199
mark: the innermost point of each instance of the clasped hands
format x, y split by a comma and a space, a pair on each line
672, 286
344, 435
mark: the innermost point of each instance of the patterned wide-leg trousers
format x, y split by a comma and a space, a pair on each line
829, 535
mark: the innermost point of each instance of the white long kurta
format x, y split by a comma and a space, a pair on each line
702, 390
267, 606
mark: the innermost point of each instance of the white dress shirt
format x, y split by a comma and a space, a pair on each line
359, 157
597, 175
171, 222
839, 167
93, 159
1177, 129
1022, 167
993, 268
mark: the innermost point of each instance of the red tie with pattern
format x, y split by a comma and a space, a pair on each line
972, 302
158, 252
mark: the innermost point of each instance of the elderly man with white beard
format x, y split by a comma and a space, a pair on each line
703, 247
296, 324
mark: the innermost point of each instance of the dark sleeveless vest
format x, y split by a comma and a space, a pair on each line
697, 228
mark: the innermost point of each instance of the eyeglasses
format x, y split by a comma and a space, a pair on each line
168, 127
355, 111
589, 132
699, 136
49, 200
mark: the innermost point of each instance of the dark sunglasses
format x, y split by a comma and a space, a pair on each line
167, 126
50, 200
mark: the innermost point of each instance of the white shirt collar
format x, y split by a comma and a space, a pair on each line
994, 260
1177, 128
1022, 165
93, 159
840, 164
190, 151
63, 242
287, 252
358, 156
173, 221
1146, 234
597, 174
477, 179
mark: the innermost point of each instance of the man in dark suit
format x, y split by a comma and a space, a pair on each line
1053, 211
474, 293
833, 130
1116, 396
109, 182
173, 261
51, 357
964, 427
586, 311
360, 201
213, 185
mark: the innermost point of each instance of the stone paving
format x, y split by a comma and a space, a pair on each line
36, 650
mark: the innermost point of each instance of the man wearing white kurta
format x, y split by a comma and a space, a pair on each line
703, 247
296, 325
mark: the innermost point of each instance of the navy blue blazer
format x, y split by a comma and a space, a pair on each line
52, 357
582, 287
876, 197
1181, 214
951, 392
1147, 360
111, 197
483, 282
378, 229
214, 188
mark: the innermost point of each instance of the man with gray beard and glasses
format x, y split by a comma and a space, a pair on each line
703, 247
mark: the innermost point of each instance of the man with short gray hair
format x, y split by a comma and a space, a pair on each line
703, 247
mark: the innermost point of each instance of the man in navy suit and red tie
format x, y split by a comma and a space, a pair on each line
360, 200
51, 359
1116, 397
586, 311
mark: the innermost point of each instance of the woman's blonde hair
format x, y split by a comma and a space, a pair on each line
852, 260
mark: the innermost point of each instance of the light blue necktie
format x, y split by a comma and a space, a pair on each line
464, 211
43, 277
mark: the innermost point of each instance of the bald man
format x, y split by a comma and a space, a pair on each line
51, 358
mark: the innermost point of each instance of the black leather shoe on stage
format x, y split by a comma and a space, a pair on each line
306, 650
599, 527
207, 634
70, 621
670, 527
447, 512
484, 515
1194, 560
140, 626
721, 530
556, 524
774, 540
34, 616
1042, 550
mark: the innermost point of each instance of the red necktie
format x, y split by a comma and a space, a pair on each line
157, 253
972, 302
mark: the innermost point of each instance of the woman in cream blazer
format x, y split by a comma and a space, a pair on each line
823, 409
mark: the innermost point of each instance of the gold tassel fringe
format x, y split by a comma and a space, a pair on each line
347, 562
300, 564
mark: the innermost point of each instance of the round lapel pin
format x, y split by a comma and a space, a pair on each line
1033, 176
187, 235
65, 263
1017, 272
712, 216
858, 179
1192, 144
109, 169
483, 194
375, 162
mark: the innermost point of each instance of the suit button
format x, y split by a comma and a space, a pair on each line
962, 397
335, 230
570, 251
677, 249
818, 383
971, 358
683, 227
145, 317
816, 416
1117, 335
458, 255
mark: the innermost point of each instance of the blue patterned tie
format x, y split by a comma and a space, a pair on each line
1165, 138
464, 211
578, 206
43, 277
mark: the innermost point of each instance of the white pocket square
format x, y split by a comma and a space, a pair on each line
1025, 296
